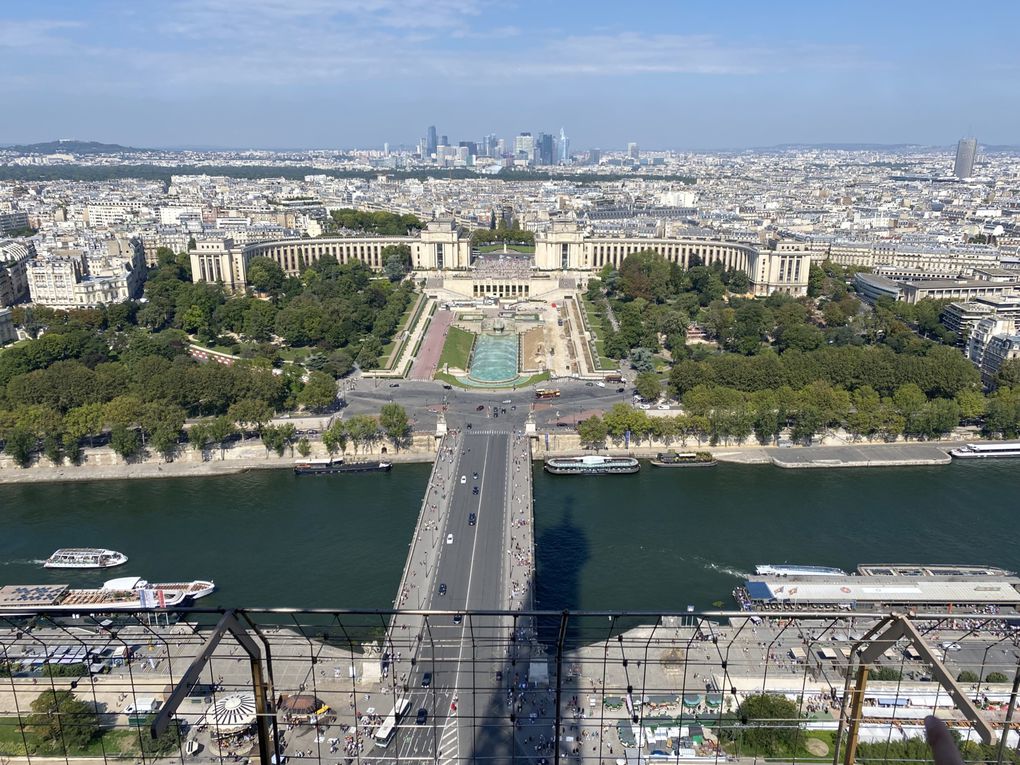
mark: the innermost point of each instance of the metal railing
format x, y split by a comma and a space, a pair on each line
502, 686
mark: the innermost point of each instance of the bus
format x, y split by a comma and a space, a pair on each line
613, 377
547, 393
384, 733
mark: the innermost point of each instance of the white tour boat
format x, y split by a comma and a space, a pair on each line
987, 450
85, 557
127, 593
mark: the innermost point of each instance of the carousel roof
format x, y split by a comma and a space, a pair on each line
232, 714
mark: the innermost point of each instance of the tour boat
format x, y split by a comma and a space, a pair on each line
986, 451
591, 464
85, 557
128, 593
330, 467
785, 569
683, 459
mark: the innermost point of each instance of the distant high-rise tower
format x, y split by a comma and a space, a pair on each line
524, 147
431, 140
632, 151
545, 149
564, 148
966, 151
594, 156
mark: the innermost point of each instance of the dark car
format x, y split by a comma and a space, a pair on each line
475, 476
442, 588
480, 408
447, 387
458, 618
394, 385
474, 490
499, 676
621, 390
472, 519
426, 680
421, 717
589, 385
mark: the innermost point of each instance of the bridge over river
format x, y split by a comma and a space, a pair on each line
472, 551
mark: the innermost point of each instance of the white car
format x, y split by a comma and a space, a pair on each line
644, 406
662, 406
952, 646
601, 384
463, 479
449, 539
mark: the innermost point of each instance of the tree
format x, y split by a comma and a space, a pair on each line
199, 438
61, 719
20, 443
967, 677
335, 437
592, 432
265, 275
396, 261
219, 429
250, 413
769, 725
1009, 374
368, 354
641, 359
393, 420
272, 439
996, 677
125, 441
169, 741
304, 447
648, 386
362, 429
319, 392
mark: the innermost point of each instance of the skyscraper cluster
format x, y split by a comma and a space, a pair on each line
534, 149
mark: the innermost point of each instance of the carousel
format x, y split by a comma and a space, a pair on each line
231, 724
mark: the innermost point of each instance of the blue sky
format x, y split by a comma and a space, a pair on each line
355, 73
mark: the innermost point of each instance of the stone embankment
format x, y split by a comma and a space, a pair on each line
103, 464
827, 455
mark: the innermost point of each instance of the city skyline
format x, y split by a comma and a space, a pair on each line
666, 78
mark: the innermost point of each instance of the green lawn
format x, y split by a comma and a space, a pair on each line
110, 741
594, 316
457, 348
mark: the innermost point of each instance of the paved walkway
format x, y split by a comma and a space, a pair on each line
427, 360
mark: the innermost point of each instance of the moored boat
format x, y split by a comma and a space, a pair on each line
332, 467
591, 464
683, 459
988, 450
789, 569
128, 593
85, 557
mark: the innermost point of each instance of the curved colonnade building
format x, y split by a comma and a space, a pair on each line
444, 250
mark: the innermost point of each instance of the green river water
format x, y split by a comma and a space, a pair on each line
661, 539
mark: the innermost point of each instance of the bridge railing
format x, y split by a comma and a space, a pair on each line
560, 686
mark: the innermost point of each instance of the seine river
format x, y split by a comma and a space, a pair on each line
661, 539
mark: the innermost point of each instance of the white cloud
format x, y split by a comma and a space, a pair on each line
33, 32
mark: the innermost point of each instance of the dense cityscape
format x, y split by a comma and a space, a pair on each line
398, 382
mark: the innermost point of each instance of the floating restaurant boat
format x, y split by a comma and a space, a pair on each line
591, 464
128, 593
986, 451
331, 467
784, 569
85, 557
684, 459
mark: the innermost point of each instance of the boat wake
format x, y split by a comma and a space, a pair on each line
725, 569
25, 562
